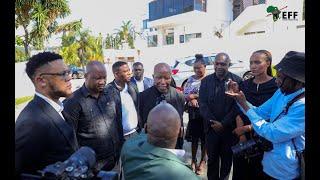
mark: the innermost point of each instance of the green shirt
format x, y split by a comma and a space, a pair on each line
141, 160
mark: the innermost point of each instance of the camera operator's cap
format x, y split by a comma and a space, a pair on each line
293, 65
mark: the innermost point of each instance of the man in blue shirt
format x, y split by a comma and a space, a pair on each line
286, 131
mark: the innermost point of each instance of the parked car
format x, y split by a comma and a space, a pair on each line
183, 68
77, 73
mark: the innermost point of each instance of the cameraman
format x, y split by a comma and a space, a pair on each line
284, 129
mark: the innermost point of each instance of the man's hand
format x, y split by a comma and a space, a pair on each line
194, 103
217, 126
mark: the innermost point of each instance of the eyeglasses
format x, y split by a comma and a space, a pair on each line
63, 74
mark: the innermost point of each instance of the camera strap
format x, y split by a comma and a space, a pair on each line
285, 110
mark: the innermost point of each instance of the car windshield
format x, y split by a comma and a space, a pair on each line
208, 61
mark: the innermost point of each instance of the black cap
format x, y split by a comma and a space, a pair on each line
293, 65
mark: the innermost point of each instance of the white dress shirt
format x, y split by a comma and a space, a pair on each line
129, 113
140, 84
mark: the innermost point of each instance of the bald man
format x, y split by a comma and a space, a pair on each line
161, 90
154, 157
91, 112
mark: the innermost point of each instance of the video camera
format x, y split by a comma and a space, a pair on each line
253, 147
79, 165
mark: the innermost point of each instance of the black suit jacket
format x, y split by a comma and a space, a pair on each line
148, 100
212, 99
113, 92
42, 137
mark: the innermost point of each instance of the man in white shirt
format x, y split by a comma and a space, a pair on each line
139, 82
125, 97
42, 136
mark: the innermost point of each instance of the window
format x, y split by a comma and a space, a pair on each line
181, 38
191, 36
170, 38
145, 24
200, 5
188, 5
153, 41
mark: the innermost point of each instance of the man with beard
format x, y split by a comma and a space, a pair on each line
42, 136
90, 111
125, 99
140, 82
219, 112
161, 90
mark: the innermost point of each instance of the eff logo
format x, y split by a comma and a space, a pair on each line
279, 14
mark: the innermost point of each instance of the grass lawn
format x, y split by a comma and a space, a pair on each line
22, 100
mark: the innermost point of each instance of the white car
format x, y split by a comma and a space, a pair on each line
183, 68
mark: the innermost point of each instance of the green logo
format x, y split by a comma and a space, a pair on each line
275, 12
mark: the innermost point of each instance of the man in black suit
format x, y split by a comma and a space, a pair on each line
161, 90
140, 82
42, 136
219, 113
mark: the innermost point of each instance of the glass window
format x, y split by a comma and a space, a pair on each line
188, 5
178, 6
145, 24
200, 5
198, 35
190, 62
181, 38
152, 10
153, 41
170, 38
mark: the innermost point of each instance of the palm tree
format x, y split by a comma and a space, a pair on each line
42, 16
73, 26
127, 33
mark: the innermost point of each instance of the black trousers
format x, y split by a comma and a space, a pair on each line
219, 149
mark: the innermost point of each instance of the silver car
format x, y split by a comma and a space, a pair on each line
183, 68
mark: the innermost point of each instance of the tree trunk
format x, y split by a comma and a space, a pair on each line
26, 41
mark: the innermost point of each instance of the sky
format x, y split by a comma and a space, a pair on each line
103, 16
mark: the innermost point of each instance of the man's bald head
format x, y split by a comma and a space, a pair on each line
163, 126
162, 77
95, 66
162, 67
95, 77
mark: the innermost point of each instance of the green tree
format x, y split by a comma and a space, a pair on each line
80, 47
38, 20
127, 33
20, 56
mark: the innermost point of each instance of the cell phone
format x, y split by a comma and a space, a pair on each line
226, 85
